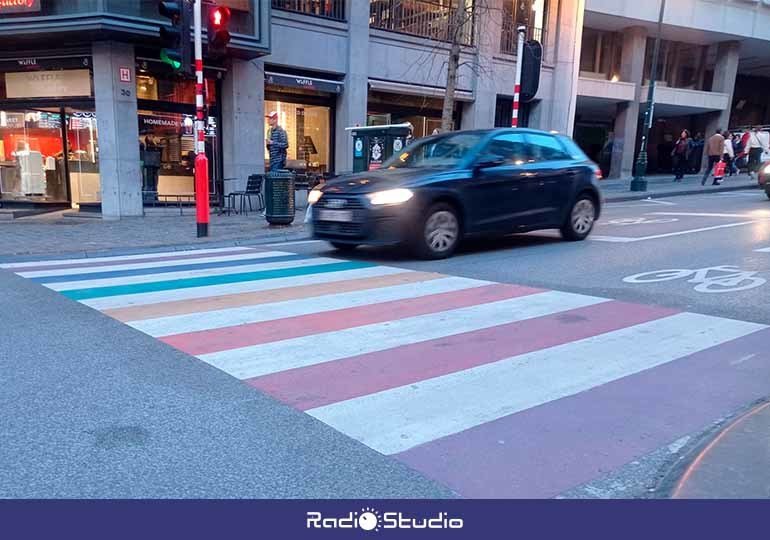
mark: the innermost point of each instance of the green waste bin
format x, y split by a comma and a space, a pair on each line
279, 197
373, 145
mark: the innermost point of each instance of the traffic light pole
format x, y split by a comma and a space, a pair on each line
201, 161
521, 34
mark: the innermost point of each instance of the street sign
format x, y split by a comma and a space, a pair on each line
125, 75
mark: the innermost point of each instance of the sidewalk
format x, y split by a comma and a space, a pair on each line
53, 234
664, 186
735, 464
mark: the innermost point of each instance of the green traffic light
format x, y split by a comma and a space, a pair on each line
176, 64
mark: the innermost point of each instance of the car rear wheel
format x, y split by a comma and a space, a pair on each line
341, 246
439, 234
580, 220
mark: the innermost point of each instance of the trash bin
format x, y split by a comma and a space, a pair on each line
279, 197
373, 145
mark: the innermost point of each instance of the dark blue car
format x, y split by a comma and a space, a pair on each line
441, 189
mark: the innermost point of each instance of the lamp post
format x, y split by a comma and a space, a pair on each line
639, 183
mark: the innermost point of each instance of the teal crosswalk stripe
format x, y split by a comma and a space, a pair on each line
189, 283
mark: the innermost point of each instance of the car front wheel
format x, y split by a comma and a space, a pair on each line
580, 220
439, 234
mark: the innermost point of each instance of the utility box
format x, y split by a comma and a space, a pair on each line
373, 145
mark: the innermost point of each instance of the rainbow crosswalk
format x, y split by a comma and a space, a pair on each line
495, 390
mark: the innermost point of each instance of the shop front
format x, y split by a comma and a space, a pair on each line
423, 112
49, 142
166, 116
306, 108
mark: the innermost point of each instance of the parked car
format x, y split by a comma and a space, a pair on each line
764, 178
444, 188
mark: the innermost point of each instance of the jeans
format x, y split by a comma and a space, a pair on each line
755, 158
680, 165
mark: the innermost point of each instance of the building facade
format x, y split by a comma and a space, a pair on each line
713, 73
89, 116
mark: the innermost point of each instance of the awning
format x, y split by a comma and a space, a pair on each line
417, 90
308, 83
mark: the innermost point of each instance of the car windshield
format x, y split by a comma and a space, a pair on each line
444, 151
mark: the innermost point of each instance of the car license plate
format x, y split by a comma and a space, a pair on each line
335, 215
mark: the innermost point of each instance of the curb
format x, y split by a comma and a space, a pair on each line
673, 475
117, 252
662, 195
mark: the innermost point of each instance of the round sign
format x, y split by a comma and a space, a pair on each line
359, 145
398, 144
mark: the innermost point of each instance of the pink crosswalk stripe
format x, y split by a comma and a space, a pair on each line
330, 382
246, 335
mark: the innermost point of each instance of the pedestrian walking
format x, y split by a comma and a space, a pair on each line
755, 150
729, 156
681, 155
716, 149
277, 143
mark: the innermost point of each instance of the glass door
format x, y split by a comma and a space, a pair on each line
82, 138
32, 164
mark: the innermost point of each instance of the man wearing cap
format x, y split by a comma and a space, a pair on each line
277, 142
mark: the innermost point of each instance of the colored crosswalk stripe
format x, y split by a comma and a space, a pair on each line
495, 390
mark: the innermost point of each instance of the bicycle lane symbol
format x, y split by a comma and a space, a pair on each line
710, 280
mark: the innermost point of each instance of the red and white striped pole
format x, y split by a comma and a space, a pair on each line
201, 161
522, 32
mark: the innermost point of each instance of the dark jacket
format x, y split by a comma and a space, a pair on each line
277, 149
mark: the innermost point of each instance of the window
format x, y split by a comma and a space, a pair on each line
443, 151
546, 148
308, 128
512, 148
573, 149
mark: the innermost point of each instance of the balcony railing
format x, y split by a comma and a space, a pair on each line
329, 9
509, 38
424, 18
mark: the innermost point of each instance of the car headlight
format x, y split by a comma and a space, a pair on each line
766, 170
391, 196
314, 195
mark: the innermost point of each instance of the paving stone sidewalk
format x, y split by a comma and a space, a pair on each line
55, 233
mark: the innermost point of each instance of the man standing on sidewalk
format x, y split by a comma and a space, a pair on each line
716, 149
277, 142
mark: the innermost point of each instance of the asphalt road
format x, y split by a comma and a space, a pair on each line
519, 408
688, 233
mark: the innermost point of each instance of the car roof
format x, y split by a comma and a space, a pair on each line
501, 130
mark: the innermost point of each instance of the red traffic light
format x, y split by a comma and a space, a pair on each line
220, 17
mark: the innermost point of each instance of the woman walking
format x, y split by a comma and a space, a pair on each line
755, 149
681, 155
729, 157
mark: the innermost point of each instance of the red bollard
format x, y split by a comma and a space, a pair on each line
202, 194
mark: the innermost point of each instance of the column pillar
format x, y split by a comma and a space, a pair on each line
243, 122
480, 114
569, 26
725, 73
627, 119
117, 120
352, 103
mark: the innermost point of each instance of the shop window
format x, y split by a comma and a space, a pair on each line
163, 87
308, 130
83, 146
167, 152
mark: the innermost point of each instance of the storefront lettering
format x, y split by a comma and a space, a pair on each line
305, 82
28, 62
19, 6
160, 122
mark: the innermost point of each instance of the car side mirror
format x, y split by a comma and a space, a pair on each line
488, 161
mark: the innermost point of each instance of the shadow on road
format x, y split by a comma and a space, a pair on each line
472, 246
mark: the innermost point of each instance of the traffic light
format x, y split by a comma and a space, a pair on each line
177, 49
218, 30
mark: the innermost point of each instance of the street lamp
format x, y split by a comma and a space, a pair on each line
639, 183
